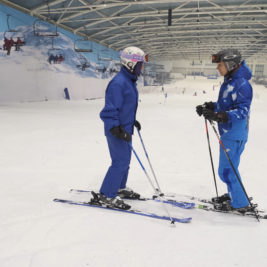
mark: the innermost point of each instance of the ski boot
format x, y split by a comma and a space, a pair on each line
220, 199
224, 206
115, 202
128, 193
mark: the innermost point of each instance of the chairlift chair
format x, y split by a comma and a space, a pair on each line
38, 26
83, 66
56, 52
84, 63
104, 55
83, 46
101, 68
12, 33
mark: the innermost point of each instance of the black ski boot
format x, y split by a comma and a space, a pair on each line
220, 199
224, 206
115, 202
128, 193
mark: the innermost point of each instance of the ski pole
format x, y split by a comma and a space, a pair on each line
154, 175
211, 159
161, 200
236, 174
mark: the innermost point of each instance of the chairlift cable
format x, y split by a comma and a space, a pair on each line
48, 10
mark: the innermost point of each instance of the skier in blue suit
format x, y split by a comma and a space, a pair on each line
119, 117
231, 111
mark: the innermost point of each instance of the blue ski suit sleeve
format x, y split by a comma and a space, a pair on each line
121, 102
235, 98
113, 103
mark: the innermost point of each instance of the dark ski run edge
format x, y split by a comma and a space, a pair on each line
180, 204
131, 211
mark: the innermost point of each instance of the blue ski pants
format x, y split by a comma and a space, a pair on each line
234, 149
117, 174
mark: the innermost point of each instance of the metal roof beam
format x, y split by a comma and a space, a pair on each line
182, 33
63, 13
97, 22
119, 43
34, 10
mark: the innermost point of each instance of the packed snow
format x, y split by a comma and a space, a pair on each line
49, 147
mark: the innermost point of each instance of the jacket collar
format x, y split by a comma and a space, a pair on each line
128, 74
242, 72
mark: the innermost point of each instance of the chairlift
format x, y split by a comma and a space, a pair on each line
12, 33
105, 56
55, 51
83, 66
57, 55
82, 58
83, 46
43, 28
84, 63
101, 68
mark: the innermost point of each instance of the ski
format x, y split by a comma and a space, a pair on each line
198, 199
233, 212
191, 198
208, 205
180, 204
131, 211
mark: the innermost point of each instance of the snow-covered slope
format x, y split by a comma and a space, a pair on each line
49, 147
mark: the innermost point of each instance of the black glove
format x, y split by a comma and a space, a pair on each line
214, 116
199, 109
207, 105
137, 125
120, 133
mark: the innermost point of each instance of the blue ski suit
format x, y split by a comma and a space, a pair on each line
235, 98
121, 101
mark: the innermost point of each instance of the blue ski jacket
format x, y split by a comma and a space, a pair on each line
121, 101
235, 98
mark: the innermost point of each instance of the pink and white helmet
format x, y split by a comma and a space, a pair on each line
131, 55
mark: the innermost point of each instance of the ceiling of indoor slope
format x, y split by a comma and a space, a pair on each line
165, 29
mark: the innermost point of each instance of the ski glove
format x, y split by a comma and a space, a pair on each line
199, 110
214, 116
207, 105
120, 133
137, 125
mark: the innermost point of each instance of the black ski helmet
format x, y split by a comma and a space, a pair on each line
231, 58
